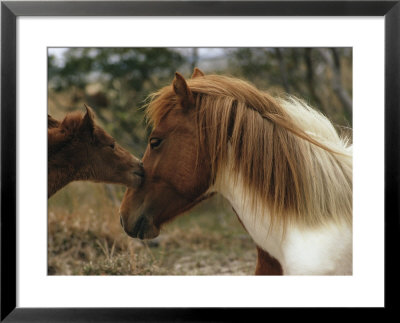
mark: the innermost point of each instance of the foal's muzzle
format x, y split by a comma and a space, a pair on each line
139, 175
140, 170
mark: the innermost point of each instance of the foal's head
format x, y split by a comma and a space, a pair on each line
81, 148
177, 172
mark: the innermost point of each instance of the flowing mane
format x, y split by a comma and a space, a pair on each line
289, 156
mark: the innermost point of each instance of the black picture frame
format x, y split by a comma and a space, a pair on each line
10, 10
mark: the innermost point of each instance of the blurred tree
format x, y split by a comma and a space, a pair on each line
332, 58
195, 58
320, 76
115, 81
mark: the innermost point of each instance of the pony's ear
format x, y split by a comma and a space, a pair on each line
51, 122
182, 91
87, 123
197, 73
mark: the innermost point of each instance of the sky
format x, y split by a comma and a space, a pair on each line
203, 53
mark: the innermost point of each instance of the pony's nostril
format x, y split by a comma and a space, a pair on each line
139, 228
121, 221
139, 173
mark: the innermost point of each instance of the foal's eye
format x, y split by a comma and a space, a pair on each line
155, 142
112, 145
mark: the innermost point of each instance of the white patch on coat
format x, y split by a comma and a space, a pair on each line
326, 250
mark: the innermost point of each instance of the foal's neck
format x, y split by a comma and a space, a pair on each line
58, 176
301, 251
64, 167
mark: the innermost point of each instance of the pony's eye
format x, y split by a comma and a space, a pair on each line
112, 145
155, 142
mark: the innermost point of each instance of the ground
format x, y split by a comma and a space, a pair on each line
85, 238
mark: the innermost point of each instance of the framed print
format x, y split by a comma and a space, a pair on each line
63, 260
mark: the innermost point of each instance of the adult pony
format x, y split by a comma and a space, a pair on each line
78, 149
281, 165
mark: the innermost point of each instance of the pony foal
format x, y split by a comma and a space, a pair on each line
280, 164
78, 149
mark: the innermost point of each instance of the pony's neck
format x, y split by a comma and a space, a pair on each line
254, 218
311, 251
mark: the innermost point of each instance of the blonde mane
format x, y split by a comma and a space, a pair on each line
290, 157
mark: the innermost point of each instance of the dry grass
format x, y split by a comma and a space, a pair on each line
85, 238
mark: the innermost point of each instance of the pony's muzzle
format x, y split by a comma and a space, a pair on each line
142, 228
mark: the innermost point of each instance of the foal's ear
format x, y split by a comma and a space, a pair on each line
182, 91
197, 73
87, 123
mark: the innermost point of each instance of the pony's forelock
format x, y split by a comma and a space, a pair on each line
158, 104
